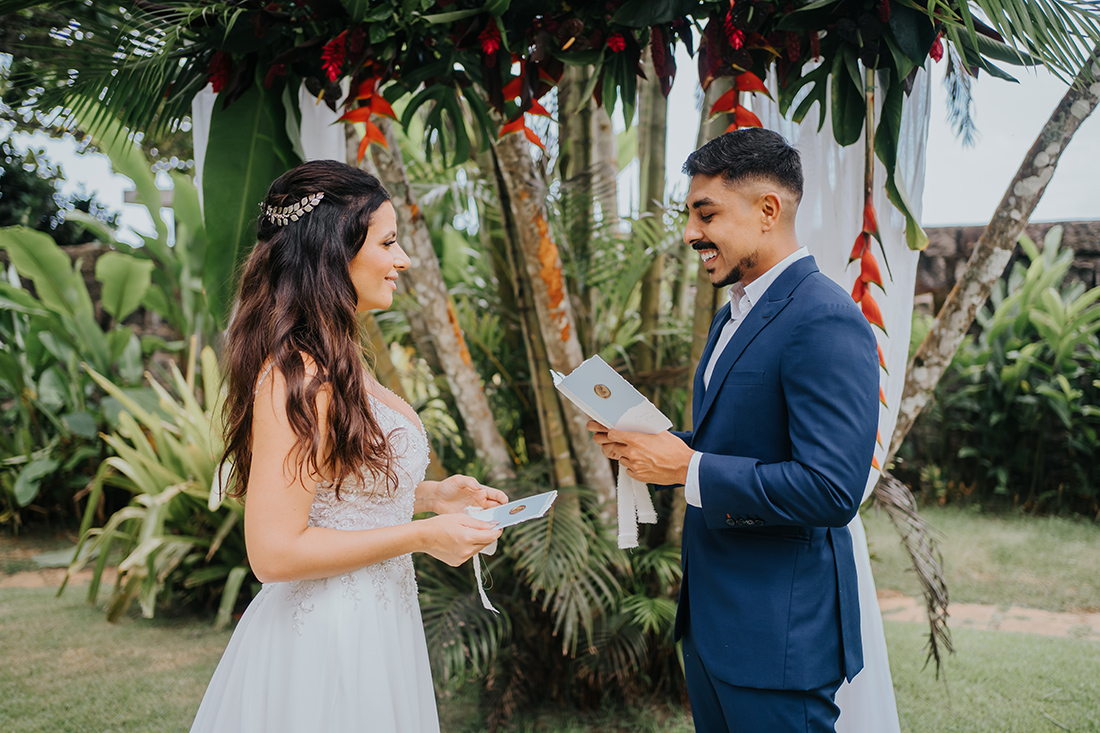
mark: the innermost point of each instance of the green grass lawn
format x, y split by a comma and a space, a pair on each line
1052, 563
65, 669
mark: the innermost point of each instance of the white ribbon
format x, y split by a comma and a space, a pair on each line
476, 560
635, 507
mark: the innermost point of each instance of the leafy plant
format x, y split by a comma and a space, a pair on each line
178, 534
580, 621
51, 409
1016, 417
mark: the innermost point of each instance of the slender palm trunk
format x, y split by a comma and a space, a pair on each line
425, 280
994, 249
539, 257
652, 121
552, 432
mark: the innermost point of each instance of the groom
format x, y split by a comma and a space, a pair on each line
785, 416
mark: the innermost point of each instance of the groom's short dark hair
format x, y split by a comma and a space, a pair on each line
747, 153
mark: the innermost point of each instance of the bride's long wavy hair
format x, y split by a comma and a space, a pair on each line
296, 298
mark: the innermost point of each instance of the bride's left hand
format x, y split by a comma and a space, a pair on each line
457, 492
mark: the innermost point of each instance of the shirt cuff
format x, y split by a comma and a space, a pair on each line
691, 488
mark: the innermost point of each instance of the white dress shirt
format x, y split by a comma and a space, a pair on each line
742, 299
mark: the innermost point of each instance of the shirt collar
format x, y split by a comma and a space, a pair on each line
743, 297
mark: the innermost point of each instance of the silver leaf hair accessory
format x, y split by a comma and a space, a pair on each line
283, 215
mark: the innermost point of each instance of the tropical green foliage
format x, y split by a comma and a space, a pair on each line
1016, 418
178, 534
581, 622
51, 409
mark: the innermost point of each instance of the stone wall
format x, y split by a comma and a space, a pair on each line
949, 248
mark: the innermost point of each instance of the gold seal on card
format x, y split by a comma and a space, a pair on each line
602, 391
517, 509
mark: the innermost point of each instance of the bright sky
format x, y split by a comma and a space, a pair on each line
964, 185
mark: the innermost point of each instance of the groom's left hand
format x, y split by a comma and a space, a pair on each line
661, 458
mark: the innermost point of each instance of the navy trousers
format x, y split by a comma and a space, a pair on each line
719, 707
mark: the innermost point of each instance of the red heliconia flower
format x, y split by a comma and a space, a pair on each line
734, 35
815, 46
221, 66
884, 10
657, 49
616, 42
489, 38
274, 71
936, 52
881, 363
332, 56
871, 311
794, 48
868, 268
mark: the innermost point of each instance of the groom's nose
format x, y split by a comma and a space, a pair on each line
692, 232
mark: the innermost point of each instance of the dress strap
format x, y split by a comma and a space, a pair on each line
263, 376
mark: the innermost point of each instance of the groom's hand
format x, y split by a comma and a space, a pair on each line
656, 459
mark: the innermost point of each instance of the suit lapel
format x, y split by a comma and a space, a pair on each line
776, 298
697, 391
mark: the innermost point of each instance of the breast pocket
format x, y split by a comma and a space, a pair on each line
745, 377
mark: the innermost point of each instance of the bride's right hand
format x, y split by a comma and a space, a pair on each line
455, 538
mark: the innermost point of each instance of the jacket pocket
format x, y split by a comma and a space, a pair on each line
744, 377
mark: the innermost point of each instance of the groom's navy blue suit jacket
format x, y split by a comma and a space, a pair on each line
787, 430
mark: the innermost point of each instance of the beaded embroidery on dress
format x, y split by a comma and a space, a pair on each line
339, 653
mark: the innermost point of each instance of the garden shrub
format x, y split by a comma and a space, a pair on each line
1015, 419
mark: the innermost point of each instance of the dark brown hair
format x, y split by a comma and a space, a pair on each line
750, 152
295, 298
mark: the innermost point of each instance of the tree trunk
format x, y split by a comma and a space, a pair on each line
551, 423
994, 249
575, 165
527, 195
605, 173
384, 370
707, 302
425, 279
652, 122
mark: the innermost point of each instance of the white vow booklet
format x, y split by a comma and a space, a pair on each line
520, 510
603, 395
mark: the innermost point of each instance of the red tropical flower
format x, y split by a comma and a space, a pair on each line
274, 71
221, 66
489, 38
616, 42
332, 56
884, 10
936, 52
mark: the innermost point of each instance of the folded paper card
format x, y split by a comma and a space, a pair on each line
520, 510
602, 394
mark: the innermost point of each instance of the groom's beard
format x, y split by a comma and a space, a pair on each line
737, 272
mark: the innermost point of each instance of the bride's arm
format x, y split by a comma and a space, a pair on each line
282, 547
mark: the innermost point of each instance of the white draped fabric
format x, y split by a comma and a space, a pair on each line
321, 139
829, 218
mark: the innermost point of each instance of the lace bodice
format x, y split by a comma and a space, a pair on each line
368, 504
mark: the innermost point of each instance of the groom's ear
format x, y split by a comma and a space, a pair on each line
771, 206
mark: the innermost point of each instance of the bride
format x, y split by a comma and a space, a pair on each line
331, 465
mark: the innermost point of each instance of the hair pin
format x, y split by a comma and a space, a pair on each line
283, 215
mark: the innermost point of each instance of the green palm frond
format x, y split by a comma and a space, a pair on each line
462, 636
1057, 33
568, 561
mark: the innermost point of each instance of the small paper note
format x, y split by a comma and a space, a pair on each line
520, 510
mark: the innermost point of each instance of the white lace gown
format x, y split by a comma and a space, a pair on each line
345, 653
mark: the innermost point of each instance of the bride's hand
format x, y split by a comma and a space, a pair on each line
457, 492
455, 538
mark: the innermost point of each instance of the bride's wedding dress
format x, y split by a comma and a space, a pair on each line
344, 653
